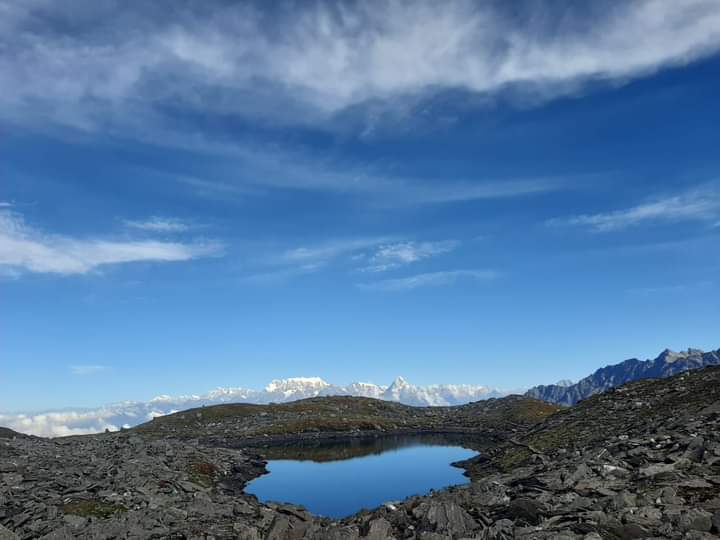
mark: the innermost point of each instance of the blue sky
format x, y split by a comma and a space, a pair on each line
221, 195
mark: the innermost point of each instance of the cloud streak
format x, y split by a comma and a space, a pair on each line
700, 204
670, 289
430, 279
391, 256
159, 225
372, 254
27, 249
321, 254
283, 170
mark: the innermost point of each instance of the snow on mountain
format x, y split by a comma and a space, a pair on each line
437, 394
128, 413
362, 389
296, 388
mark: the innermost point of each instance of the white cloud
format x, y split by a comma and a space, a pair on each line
376, 254
297, 261
158, 224
60, 424
391, 256
86, 369
701, 204
25, 248
311, 60
431, 279
321, 254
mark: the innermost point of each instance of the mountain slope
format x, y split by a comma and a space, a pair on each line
668, 363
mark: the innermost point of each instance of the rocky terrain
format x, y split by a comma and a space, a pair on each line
639, 461
667, 364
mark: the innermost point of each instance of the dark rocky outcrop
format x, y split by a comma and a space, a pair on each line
667, 364
6, 433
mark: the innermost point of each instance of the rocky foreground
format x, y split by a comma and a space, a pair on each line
640, 461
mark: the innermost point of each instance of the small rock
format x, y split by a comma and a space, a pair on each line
695, 519
380, 529
716, 522
7, 534
74, 521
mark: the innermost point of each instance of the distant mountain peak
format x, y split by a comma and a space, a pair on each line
666, 364
399, 382
669, 355
295, 383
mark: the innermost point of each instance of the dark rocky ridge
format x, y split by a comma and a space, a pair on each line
640, 461
667, 364
6, 433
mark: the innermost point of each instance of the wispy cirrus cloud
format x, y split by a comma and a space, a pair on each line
372, 185
395, 255
369, 254
309, 61
321, 254
307, 259
430, 279
24, 248
700, 204
158, 224
87, 369
679, 288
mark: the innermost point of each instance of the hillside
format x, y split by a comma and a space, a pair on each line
342, 415
641, 460
6, 433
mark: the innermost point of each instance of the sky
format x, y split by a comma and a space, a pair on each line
215, 194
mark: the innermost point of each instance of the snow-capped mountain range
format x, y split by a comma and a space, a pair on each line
130, 413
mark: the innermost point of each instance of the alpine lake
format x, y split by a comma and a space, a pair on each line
340, 477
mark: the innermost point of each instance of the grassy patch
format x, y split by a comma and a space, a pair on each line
92, 508
202, 473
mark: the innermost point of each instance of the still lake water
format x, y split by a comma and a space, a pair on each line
338, 479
